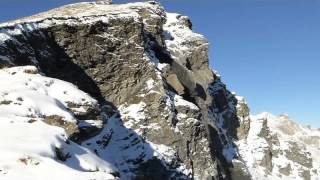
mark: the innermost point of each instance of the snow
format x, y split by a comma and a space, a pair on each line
254, 145
150, 56
134, 116
27, 152
42, 96
166, 154
150, 84
252, 149
3, 37
239, 98
26, 93
122, 146
179, 101
79, 13
217, 121
178, 36
27, 144
133, 113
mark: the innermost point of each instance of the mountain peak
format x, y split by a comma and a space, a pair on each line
107, 91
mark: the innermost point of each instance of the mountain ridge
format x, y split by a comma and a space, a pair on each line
127, 93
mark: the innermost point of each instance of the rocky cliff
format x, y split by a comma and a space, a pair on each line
277, 148
105, 91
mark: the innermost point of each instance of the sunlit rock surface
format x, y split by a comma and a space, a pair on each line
105, 91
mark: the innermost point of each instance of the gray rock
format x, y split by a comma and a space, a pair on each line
116, 53
104, 1
286, 170
298, 155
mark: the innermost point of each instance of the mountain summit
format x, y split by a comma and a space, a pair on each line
105, 91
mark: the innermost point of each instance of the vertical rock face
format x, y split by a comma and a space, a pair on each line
155, 110
148, 70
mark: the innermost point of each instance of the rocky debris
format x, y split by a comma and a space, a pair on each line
298, 155
60, 155
71, 128
286, 170
174, 82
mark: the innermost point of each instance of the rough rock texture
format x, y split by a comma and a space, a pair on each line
161, 112
149, 71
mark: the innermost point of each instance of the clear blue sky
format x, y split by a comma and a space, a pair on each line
266, 50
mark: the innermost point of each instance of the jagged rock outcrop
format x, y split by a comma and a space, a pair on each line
277, 148
149, 71
148, 105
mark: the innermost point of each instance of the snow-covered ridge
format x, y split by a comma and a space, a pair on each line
83, 10
178, 36
278, 148
86, 13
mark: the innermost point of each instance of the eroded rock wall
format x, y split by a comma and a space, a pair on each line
168, 114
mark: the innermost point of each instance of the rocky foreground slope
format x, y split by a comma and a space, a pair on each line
103, 91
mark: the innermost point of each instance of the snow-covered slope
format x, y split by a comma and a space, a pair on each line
29, 147
26, 93
278, 148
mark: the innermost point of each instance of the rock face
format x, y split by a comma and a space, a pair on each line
150, 75
148, 104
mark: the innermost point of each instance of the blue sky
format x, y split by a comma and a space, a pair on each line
266, 50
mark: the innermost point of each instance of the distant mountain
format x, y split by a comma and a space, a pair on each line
102, 91
275, 147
